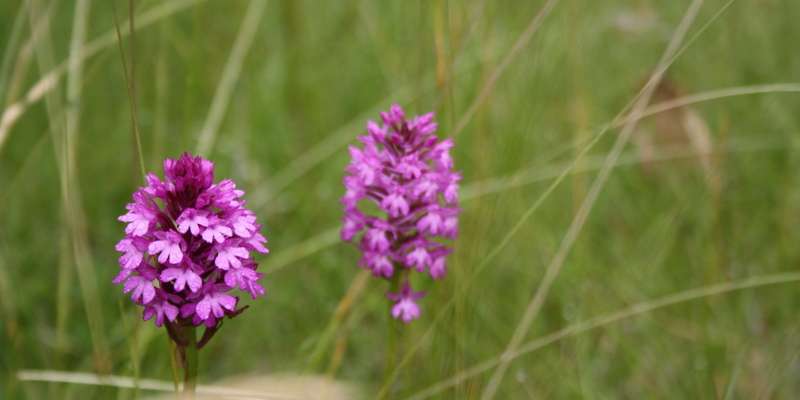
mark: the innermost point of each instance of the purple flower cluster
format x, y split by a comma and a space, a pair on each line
187, 245
407, 172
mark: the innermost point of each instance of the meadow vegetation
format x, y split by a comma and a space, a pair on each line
612, 254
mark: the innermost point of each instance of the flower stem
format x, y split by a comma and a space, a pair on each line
174, 356
392, 334
187, 359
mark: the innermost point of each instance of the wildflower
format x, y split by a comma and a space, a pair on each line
405, 307
407, 173
188, 244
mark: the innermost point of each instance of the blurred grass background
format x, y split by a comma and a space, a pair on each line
272, 91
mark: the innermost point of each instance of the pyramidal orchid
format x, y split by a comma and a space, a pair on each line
406, 171
188, 244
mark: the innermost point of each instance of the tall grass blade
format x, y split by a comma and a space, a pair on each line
230, 75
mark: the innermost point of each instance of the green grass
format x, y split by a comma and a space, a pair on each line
314, 72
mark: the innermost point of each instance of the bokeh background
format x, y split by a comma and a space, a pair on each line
681, 283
